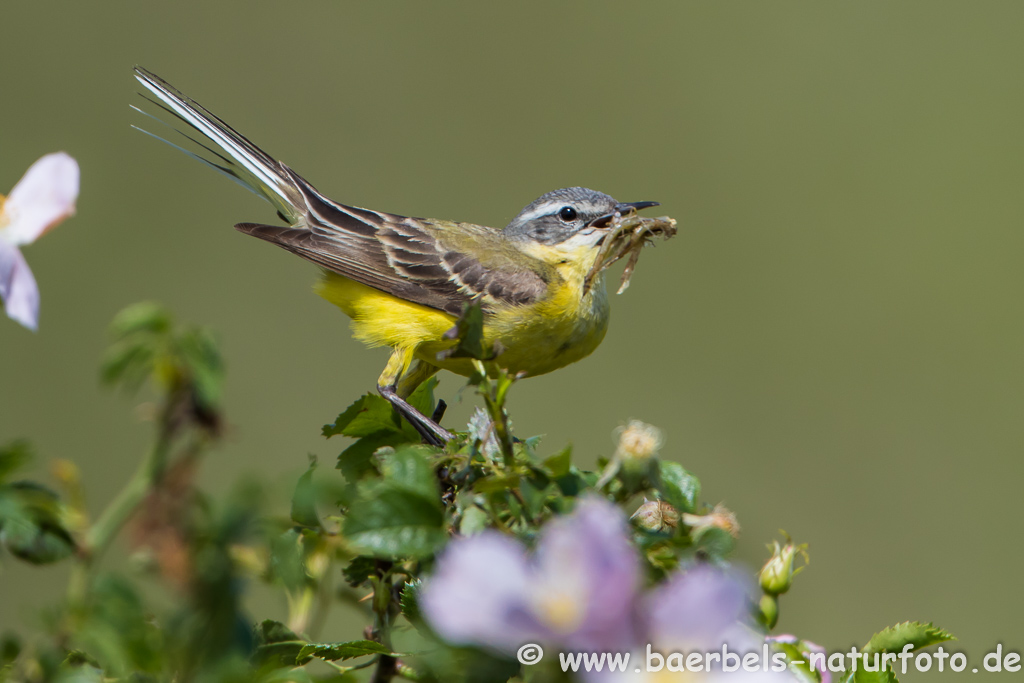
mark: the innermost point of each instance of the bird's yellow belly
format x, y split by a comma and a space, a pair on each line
535, 339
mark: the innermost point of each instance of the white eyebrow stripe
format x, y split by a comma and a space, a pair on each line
548, 209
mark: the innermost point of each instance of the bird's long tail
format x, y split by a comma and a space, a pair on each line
221, 147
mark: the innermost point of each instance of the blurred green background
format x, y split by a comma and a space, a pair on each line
833, 343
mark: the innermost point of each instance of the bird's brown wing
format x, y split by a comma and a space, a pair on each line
438, 264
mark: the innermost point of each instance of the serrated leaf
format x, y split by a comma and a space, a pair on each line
558, 464
400, 515
341, 651
913, 633
356, 461
678, 487
304, 499
359, 570
370, 414
409, 601
392, 522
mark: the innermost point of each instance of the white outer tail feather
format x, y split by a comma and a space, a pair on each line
248, 164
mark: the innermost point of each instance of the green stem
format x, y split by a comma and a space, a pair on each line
494, 399
382, 599
101, 534
324, 600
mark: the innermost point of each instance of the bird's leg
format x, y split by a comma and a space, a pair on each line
396, 383
432, 433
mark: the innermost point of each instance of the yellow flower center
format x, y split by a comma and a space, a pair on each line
560, 605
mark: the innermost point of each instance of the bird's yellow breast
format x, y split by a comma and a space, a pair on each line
560, 328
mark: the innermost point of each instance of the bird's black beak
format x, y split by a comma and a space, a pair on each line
625, 207
621, 208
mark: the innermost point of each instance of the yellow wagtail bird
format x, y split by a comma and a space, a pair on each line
404, 281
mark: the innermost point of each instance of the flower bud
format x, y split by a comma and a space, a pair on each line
769, 611
656, 515
638, 441
720, 517
778, 572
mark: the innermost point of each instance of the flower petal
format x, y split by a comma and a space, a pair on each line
18, 287
587, 556
43, 197
698, 608
477, 592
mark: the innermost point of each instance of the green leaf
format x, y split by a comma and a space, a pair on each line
410, 468
913, 633
341, 651
468, 334
799, 665
558, 464
400, 515
287, 559
677, 486
368, 415
356, 461
270, 631
422, 397
496, 483
862, 676
359, 570
410, 601
277, 644
393, 523
535, 496
13, 457
574, 483
474, 520
200, 353
146, 316
714, 541
31, 523
127, 362
304, 499
10, 648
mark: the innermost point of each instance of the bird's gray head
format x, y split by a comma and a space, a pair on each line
558, 215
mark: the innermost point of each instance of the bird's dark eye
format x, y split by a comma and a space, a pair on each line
567, 214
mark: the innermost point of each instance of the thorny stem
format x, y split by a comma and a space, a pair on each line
386, 665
